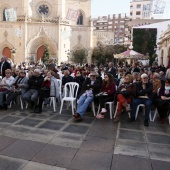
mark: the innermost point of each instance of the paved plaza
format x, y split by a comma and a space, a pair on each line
50, 141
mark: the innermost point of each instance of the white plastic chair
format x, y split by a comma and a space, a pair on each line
137, 110
59, 83
117, 108
70, 95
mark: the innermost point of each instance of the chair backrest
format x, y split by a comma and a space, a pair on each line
71, 89
59, 84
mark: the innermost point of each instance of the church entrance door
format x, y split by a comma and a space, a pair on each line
6, 52
40, 52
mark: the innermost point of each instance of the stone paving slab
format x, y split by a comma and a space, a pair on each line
160, 165
121, 162
3, 125
131, 148
61, 117
158, 129
29, 122
45, 115
50, 125
131, 126
159, 152
105, 129
15, 131
39, 135
131, 135
76, 128
156, 138
23, 149
6, 141
67, 140
55, 155
7, 163
99, 144
38, 166
91, 160
10, 119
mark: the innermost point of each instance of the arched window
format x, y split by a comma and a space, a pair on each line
4, 18
80, 19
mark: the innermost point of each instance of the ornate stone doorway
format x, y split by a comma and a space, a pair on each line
40, 52
7, 52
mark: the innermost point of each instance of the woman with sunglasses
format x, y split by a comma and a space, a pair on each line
163, 102
108, 91
5, 85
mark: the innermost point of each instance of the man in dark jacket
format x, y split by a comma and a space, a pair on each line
34, 84
90, 88
4, 65
66, 78
111, 69
144, 96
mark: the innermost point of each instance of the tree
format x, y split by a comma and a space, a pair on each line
46, 54
144, 40
103, 52
79, 56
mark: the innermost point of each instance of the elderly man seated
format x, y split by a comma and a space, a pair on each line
90, 88
144, 96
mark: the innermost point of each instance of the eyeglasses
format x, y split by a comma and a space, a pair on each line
92, 76
7, 73
105, 77
145, 78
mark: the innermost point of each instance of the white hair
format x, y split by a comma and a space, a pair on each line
144, 75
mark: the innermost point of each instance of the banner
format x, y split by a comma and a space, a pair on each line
10, 15
72, 15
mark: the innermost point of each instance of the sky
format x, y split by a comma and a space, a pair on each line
106, 7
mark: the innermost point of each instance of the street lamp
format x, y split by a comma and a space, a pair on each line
13, 51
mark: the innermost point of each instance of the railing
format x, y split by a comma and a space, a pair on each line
23, 18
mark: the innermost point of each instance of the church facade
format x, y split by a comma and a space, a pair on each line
41, 22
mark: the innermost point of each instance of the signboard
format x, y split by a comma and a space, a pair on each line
10, 15
72, 15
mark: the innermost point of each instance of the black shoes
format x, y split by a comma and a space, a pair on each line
77, 117
146, 123
132, 119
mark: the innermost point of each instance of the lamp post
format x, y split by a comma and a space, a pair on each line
13, 52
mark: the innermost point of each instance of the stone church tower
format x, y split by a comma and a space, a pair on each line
41, 22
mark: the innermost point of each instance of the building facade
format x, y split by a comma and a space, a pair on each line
42, 22
114, 23
164, 47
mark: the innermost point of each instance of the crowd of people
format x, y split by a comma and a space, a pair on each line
128, 85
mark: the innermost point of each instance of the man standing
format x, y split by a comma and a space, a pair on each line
4, 65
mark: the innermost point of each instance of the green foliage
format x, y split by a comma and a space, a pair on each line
79, 56
144, 40
103, 52
46, 54
152, 59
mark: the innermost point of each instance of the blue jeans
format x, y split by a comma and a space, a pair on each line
146, 102
2, 95
30, 95
83, 103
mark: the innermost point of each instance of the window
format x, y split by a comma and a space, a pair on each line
138, 6
4, 18
138, 13
80, 19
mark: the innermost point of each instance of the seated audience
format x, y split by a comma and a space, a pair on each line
163, 102
5, 85
34, 84
108, 91
20, 86
48, 89
90, 88
144, 96
126, 94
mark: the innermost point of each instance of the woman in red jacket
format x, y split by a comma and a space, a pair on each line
108, 91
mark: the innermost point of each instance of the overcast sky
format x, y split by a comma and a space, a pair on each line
105, 7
